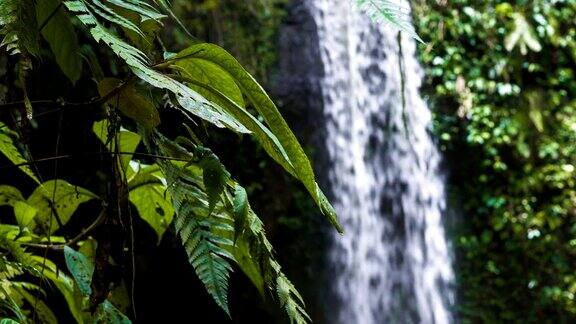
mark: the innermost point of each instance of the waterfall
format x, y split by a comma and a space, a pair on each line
393, 265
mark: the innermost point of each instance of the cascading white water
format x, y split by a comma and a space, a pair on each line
393, 265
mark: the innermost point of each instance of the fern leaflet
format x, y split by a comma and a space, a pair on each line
394, 12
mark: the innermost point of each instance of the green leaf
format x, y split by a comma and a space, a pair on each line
301, 166
107, 313
241, 209
146, 11
130, 102
200, 230
24, 213
214, 174
126, 141
44, 313
65, 285
60, 35
9, 195
189, 100
18, 26
262, 134
395, 14
67, 198
212, 75
153, 207
8, 148
81, 269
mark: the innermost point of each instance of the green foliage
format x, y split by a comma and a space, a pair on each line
391, 12
136, 80
130, 102
247, 29
55, 201
59, 32
80, 268
147, 193
18, 27
501, 77
9, 149
227, 232
280, 143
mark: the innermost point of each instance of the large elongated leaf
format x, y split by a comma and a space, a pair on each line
60, 35
260, 132
44, 313
211, 74
301, 167
10, 150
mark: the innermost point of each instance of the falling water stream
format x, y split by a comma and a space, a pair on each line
393, 265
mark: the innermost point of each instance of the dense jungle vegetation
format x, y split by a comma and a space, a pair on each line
115, 214
500, 77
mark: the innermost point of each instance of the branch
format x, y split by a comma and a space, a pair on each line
73, 241
71, 156
62, 104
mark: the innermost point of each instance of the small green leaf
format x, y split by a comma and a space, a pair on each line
241, 209
80, 268
24, 213
393, 13
153, 207
213, 173
10, 150
9, 195
106, 313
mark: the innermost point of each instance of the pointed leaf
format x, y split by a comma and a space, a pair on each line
81, 269
8, 148
60, 35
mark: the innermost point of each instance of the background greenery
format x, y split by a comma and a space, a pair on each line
500, 79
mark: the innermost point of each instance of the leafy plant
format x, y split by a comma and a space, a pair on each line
172, 180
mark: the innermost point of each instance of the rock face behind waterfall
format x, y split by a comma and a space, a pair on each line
340, 75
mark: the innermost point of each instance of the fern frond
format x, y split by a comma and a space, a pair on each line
229, 230
189, 100
204, 232
394, 12
22, 260
18, 26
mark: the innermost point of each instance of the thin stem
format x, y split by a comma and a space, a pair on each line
73, 241
71, 156
93, 102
